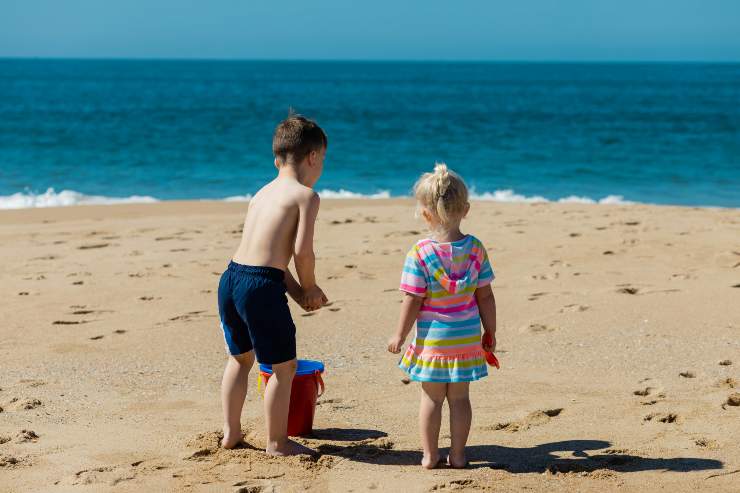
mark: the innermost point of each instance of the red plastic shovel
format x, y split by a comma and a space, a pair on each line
490, 357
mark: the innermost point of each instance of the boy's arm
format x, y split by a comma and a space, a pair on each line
410, 307
303, 254
294, 289
487, 308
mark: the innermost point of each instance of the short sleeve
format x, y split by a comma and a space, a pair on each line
486, 274
413, 278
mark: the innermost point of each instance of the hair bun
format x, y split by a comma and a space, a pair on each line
442, 176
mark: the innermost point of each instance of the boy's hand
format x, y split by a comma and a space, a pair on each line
395, 344
313, 299
489, 341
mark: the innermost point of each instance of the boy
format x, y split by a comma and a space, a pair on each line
251, 294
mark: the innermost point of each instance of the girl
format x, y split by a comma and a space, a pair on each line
447, 284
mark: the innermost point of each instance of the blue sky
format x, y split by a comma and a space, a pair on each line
377, 29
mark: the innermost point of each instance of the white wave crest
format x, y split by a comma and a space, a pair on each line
509, 195
238, 198
346, 194
50, 198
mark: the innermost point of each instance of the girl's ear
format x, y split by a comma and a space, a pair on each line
426, 215
467, 209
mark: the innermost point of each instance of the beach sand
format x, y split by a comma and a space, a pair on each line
618, 338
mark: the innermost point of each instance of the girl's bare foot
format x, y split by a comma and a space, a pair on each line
457, 462
289, 447
430, 462
231, 438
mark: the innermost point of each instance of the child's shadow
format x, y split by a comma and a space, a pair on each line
375, 449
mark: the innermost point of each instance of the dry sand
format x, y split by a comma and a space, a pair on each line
618, 339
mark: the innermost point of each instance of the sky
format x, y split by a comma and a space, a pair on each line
508, 30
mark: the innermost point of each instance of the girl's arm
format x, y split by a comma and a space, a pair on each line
487, 308
410, 307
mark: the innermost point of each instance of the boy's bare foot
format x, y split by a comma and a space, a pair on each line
231, 439
428, 462
457, 462
289, 447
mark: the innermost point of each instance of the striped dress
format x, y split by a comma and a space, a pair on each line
447, 347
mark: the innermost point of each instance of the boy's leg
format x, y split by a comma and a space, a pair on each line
430, 419
461, 414
234, 387
277, 404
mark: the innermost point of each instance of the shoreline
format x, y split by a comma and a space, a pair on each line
172, 207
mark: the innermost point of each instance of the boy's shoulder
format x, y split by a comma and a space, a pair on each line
291, 192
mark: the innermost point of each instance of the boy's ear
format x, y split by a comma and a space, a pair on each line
277, 163
467, 209
311, 158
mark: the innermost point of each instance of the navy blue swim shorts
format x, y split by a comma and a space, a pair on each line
254, 313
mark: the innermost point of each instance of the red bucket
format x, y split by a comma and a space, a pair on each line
307, 387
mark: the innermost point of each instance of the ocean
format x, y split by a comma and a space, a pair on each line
105, 131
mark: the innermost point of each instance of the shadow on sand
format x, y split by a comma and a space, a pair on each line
587, 455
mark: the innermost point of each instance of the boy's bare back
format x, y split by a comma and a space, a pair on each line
279, 223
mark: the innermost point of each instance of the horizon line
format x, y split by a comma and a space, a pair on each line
371, 60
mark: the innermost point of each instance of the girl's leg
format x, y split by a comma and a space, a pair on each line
430, 419
234, 387
461, 415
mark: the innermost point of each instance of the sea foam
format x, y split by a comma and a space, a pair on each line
51, 198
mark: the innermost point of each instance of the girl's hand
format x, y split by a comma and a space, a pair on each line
489, 341
395, 344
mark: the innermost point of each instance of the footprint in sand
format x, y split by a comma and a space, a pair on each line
9, 461
706, 443
119, 331
536, 418
643, 392
732, 400
69, 322
537, 328
96, 338
23, 293
25, 436
25, 404
687, 374
663, 418
78, 283
628, 290
187, 316
574, 308
536, 296
92, 246
459, 484
546, 277
725, 362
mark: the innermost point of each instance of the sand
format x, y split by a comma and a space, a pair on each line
618, 339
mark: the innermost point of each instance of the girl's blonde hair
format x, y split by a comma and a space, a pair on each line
443, 193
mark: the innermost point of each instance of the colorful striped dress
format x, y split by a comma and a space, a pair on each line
447, 347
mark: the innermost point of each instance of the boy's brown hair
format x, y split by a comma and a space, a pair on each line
296, 137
